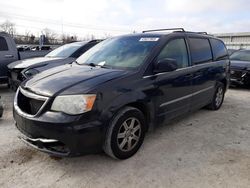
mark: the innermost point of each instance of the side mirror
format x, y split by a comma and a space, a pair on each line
166, 65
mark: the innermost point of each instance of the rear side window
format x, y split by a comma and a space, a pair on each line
175, 49
200, 50
3, 44
219, 49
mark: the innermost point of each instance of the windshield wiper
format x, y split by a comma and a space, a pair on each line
96, 65
87, 64
92, 64
104, 66
75, 62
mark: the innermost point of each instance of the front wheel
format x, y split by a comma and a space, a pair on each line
125, 134
218, 97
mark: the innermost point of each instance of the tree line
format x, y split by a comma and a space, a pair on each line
51, 37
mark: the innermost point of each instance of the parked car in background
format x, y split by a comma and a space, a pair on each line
9, 54
112, 94
23, 69
35, 48
231, 51
1, 108
23, 48
44, 48
240, 67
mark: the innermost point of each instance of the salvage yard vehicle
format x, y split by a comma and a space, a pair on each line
23, 69
9, 54
118, 90
231, 51
240, 67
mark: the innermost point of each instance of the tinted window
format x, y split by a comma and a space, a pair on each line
175, 49
3, 44
83, 49
219, 49
200, 50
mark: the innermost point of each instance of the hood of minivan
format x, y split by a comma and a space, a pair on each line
58, 79
22, 64
240, 64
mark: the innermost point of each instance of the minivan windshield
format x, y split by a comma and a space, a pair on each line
241, 56
65, 51
121, 52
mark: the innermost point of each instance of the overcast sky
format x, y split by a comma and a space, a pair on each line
115, 17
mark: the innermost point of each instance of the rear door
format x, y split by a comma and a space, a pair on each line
221, 57
204, 71
174, 88
7, 55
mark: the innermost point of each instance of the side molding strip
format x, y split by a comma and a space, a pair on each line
186, 96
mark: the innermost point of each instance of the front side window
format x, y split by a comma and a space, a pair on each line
3, 44
200, 50
128, 52
176, 49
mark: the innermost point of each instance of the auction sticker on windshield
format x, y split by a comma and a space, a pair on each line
149, 39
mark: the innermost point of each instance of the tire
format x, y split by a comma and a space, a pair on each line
130, 137
218, 97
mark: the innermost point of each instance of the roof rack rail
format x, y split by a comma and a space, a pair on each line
96, 40
202, 33
170, 29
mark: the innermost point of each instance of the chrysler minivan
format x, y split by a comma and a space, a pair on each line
118, 90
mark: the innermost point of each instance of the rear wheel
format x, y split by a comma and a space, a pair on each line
125, 134
218, 97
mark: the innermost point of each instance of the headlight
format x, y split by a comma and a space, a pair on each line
30, 72
73, 104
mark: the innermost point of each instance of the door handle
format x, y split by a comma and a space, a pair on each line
188, 76
9, 56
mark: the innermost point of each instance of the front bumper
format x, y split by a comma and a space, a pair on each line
59, 134
241, 77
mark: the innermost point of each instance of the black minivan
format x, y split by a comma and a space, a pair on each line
122, 87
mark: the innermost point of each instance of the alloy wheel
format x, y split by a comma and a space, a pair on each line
129, 134
219, 96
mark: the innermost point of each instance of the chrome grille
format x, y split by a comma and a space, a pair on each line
236, 74
29, 103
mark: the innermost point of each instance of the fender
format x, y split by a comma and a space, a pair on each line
132, 98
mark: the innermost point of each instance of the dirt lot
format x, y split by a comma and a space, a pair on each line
205, 149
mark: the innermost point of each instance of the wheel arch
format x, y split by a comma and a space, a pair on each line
225, 82
145, 109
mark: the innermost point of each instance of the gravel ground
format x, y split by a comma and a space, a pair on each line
204, 149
